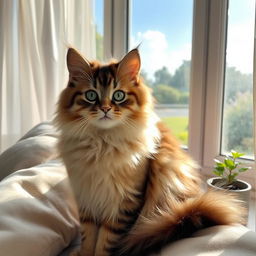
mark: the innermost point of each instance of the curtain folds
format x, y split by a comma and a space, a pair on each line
33, 43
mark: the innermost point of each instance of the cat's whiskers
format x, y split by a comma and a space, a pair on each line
129, 122
72, 127
83, 126
78, 126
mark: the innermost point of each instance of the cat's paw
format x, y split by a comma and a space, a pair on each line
75, 253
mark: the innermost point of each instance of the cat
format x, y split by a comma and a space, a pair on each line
136, 189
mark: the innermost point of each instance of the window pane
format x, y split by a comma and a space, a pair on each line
237, 127
99, 6
164, 31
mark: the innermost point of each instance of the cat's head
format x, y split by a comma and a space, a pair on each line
104, 96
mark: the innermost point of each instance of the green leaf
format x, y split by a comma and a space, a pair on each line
230, 164
244, 169
219, 163
236, 154
217, 173
219, 169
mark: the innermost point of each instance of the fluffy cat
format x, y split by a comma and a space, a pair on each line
136, 189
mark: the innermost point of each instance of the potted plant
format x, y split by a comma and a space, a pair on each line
227, 172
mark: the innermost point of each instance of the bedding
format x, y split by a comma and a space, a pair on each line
38, 214
35, 147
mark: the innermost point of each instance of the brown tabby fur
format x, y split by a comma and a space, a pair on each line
136, 189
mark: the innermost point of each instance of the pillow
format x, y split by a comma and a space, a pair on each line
215, 241
38, 214
36, 147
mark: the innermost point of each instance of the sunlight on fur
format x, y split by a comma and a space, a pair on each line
136, 189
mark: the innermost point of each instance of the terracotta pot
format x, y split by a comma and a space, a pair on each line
243, 193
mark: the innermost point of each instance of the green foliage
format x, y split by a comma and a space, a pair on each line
184, 98
238, 125
162, 76
236, 83
146, 79
181, 77
229, 168
238, 116
165, 94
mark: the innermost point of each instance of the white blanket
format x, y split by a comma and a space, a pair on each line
38, 214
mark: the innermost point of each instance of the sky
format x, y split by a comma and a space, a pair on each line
165, 32
240, 38
164, 29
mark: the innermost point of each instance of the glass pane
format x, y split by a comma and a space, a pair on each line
237, 127
164, 32
99, 7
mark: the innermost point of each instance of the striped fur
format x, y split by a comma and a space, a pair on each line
135, 187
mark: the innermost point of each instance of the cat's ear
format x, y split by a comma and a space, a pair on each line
78, 67
129, 66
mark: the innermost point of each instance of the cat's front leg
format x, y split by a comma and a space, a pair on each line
89, 232
108, 237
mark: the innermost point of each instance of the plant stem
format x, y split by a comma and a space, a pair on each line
229, 177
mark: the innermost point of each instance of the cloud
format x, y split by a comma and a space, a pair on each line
240, 46
156, 52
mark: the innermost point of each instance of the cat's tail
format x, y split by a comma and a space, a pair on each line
209, 209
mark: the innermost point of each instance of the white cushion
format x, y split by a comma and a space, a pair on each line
38, 215
36, 147
215, 241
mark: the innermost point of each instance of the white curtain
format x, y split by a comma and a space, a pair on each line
34, 37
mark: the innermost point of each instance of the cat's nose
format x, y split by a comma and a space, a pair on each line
105, 109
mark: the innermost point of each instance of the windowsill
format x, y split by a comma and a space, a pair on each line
252, 215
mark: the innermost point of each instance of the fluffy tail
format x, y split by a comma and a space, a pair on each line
209, 209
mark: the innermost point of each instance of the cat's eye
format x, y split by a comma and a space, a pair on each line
91, 95
118, 95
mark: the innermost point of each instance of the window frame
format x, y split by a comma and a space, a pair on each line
206, 120
207, 74
214, 58
116, 28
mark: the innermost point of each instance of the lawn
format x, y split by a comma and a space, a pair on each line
179, 127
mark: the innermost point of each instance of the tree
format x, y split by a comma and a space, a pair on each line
236, 82
145, 78
181, 77
162, 76
184, 98
165, 94
238, 125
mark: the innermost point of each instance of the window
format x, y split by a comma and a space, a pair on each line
98, 9
237, 124
164, 32
210, 66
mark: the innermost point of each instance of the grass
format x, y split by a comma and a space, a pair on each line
179, 127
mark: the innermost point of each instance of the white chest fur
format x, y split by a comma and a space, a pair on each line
101, 187
103, 169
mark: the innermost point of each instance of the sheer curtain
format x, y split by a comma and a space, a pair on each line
33, 43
